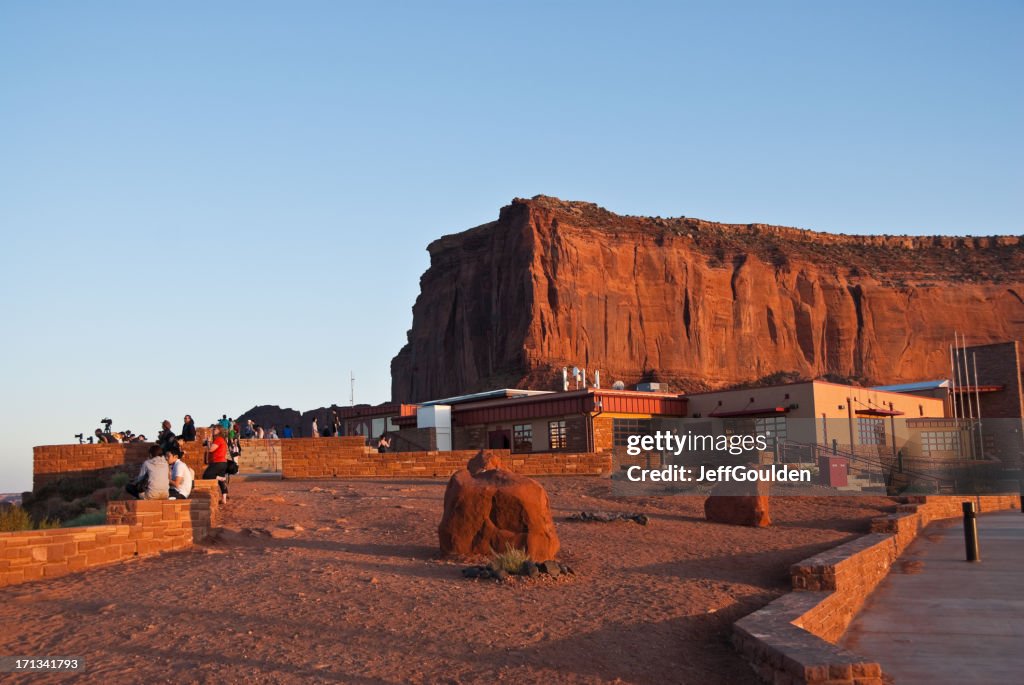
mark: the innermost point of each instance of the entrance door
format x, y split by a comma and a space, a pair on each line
499, 440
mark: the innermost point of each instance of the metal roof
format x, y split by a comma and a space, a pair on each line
486, 395
913, 387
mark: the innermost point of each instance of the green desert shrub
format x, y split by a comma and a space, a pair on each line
13, 519
89, 518
511, 560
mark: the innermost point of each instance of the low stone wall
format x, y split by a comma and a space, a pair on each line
134, 529
53, 462
792, 639
259, 456
348, 457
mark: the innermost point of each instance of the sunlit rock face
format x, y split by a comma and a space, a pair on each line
695, 304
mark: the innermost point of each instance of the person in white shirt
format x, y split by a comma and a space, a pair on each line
182, 477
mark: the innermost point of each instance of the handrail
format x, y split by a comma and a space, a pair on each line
818, 449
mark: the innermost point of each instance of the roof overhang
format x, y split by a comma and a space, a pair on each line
763, 411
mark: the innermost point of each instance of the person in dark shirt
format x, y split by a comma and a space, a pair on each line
188, 429
166, 440
287, 432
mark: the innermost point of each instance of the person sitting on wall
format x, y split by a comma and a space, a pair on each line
182, 475
188, 429
153, 481
287, 432
272, 435
383, 444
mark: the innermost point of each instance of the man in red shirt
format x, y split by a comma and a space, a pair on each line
217, 462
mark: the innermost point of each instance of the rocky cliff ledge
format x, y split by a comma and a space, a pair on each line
695, 304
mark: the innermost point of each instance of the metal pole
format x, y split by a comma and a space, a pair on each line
971, 532
977, 394
952, 380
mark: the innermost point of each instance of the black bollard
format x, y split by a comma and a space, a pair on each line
971, 532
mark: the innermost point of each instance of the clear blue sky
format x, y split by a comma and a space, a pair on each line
207, 206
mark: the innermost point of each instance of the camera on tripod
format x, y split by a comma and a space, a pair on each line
81, 438
106, 425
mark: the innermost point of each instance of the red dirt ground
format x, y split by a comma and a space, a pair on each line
359, 595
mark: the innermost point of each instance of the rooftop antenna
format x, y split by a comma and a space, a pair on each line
352, 388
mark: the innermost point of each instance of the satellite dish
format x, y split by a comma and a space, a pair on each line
618, 385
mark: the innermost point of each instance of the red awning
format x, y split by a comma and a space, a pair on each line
877, 412
764, 411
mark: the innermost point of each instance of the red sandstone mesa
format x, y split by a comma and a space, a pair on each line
695, 304
487, 509
739, 510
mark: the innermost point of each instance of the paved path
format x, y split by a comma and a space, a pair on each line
939, 619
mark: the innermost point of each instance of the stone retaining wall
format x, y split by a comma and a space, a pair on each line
53, 462
134, 529
348, 457
791, 640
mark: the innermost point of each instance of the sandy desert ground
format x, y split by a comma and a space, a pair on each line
341, 581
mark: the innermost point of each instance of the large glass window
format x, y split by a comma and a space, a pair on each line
933, 442
871, 431
522, 437
771, 427
623, 428
556, 435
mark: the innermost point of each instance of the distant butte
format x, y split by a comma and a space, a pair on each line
695, 304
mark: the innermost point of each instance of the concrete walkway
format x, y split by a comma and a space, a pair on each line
939, 619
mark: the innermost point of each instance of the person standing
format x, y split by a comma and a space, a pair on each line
217, 462
188, 429
287, 432
166, 439
225, 423
316, 430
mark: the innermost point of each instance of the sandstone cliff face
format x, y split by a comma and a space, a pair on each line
695, 304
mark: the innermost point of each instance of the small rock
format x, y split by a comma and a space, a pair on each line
500, 574
550, 567
530, 569
485, 574
471, 572
568, 570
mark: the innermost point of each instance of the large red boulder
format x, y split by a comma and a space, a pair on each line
487, 509
739, 510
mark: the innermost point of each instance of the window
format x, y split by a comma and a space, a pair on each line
871, 431
556, 435
772, 427
522, 437
940, 441
623, 428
